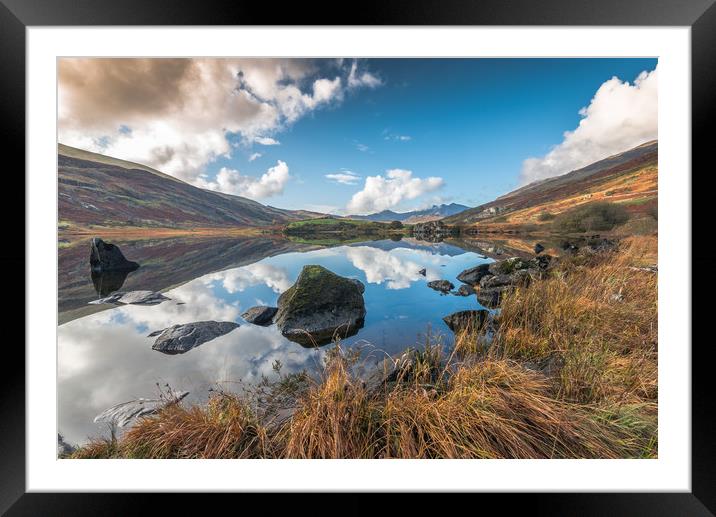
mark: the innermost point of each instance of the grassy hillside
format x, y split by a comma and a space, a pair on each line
96, 191
629, 179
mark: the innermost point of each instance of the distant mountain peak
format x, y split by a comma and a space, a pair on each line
427, 214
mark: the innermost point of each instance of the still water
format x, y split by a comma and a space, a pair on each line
105, 356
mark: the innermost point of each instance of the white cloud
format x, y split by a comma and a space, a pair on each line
239, 279
231, 181
620, 116
255, 156
357, 79
392, 267
184, 112
362, 147
345, 177
264, 140
380, 193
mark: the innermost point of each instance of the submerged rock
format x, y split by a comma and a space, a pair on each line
472, 319
179, 339
443, 286
464, 290
108, 257
473, 275
133, 298
126, 412
260, 315
321, 305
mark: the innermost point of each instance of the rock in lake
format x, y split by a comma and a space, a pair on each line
519, 277
108, 257
538, 248
358, 284
491, 296
132, 298
179, 339
444, 286
423, 272
473, 319
473, 275
508, 266
464, 290
260, 315
124, 413
321, 305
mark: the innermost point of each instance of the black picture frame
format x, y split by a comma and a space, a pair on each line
700, 15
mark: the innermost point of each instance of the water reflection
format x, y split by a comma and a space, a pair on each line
106, 358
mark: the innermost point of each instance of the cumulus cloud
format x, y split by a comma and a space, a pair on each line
255, 156
177, 115
380, 193
620, 116
231, 181
345, 177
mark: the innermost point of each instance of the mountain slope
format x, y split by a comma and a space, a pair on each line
629, 178
416, 216
97, 190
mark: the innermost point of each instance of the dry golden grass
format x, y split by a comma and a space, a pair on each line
571, 373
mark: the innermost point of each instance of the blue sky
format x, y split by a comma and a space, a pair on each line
471, 123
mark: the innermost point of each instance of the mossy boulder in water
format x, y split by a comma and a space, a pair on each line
320, 306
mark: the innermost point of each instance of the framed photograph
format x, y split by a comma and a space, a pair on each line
421, 251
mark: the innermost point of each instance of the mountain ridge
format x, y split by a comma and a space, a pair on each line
629, 177
95, 190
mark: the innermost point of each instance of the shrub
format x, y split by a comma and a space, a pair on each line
598, 216
395, 224
545, 216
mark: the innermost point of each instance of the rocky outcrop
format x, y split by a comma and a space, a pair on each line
126, 412
444, 286
492, 296
508, 266
433, 231
260, 315
132, 298
464, 290
466, 320
179, 339
108, 257
320, 306
538, 248
473, 275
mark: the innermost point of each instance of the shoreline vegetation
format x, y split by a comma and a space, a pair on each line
567, 369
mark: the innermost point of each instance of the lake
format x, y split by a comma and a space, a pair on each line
105, 356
